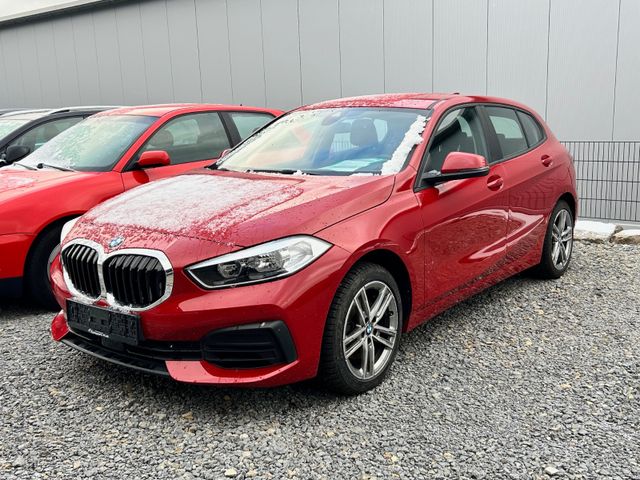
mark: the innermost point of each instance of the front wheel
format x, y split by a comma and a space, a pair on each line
363, 330
558, 243
37, 269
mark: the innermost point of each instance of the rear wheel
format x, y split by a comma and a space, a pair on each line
362, 332
558, 243
37, 270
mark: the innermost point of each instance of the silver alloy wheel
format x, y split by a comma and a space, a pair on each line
370, 330
561, 239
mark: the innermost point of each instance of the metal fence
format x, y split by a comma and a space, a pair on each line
608, 177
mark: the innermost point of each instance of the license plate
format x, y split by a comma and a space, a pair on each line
104, 323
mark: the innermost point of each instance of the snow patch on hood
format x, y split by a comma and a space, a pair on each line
206, 204
412, 138
14, 181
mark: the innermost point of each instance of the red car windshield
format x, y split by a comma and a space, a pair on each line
95, 144
332, 141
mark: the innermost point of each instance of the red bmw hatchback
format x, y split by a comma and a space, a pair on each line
98, 158
314, 245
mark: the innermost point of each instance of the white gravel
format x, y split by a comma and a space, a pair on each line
530, 379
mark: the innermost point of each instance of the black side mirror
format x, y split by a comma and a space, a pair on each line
15, 153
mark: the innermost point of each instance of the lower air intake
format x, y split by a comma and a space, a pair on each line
249, 346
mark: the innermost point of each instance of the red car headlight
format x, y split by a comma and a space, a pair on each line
267, 261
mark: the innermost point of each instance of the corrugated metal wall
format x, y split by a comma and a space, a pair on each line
576, 61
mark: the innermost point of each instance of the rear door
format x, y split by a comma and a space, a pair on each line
191, 140
529, 165
465, 221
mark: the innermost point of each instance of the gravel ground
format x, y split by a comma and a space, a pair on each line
530, 379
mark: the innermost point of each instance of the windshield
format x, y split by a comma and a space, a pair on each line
95, 144
8, 125
332, 141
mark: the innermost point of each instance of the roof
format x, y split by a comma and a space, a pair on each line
398, 100
160, 110
37, 113
414, 100
28, 114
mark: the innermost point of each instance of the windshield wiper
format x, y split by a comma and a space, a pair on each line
284, 171
28, 167
56, 167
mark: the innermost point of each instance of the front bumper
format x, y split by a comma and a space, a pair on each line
176, 332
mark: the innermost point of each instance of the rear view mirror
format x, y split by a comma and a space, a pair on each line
456, 166
15, 153
154, 158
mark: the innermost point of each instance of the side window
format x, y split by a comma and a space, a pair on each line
532, 129
38, 136
459, 131
190, 138
249, 122
507, 126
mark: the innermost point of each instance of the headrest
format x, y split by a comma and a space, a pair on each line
161, 140
363, 133
51, 130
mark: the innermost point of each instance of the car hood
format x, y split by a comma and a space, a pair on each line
16, 183
231, 208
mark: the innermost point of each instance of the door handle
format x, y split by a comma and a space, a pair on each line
546, 160
495, 182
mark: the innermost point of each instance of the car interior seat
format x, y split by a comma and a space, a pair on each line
162, 140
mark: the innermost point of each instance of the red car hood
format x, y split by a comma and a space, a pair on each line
231, 208
16, 183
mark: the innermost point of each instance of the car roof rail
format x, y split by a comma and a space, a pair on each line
83, 107
46, 111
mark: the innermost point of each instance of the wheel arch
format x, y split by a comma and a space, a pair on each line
571, 201
57, 223
394, 264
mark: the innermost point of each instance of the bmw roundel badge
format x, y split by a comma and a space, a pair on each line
116, 242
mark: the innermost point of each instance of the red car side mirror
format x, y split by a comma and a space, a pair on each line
456, 166
456, 162
154, 158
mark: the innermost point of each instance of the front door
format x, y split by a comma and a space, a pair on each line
465, 221
193, 140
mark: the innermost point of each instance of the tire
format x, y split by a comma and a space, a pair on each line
554, 265
338, 369
38, 286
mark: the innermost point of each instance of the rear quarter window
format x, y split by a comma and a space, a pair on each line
532, 129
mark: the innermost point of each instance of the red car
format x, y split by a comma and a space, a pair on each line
311, 247
96, 159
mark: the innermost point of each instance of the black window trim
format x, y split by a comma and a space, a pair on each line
131, 163
491, 147
493, 132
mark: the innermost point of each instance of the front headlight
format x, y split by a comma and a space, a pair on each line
267, 261
66, 228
